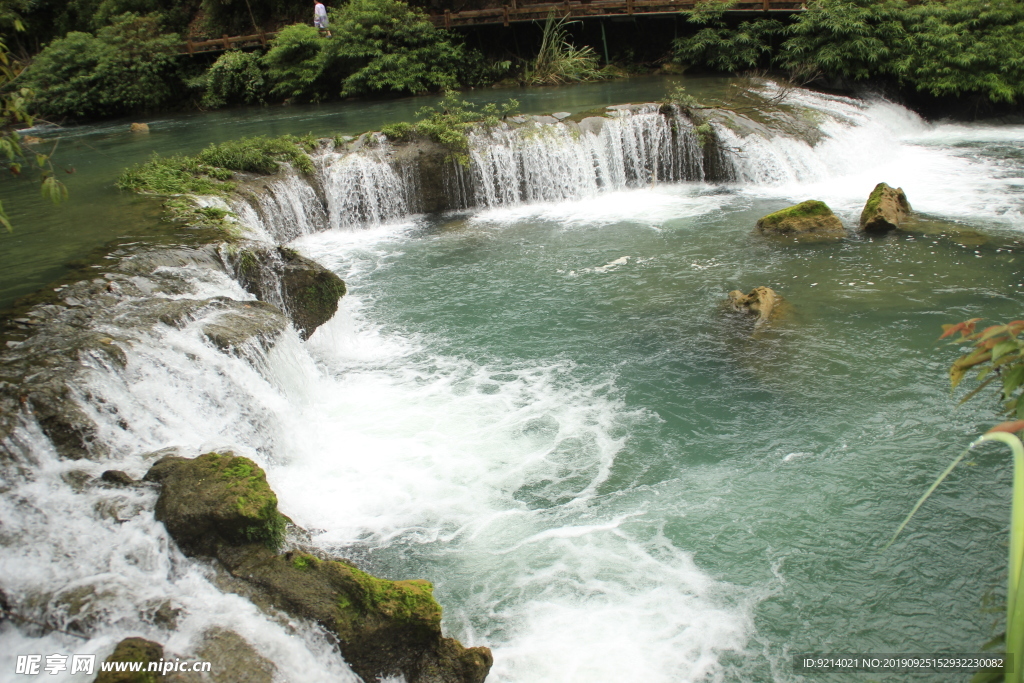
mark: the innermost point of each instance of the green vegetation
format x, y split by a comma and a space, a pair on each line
244, 483
235, 78
450, 121
809, 209
378, 46
559, 61
956, 48
211, 171
14, 102
125, 68
998, 353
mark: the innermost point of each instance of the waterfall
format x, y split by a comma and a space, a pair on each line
545, 162
541, 161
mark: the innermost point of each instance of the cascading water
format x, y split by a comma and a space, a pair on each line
541, 162
542, 409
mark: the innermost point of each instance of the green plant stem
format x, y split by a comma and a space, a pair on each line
1014, 599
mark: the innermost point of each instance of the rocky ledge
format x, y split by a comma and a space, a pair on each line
51, 345
220, 506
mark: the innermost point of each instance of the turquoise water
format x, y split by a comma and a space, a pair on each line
89, 158
548, 411
777, 462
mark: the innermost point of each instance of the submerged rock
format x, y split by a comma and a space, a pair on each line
139, 128
762, 302
134, 650
220, 505
885, 209
810, 219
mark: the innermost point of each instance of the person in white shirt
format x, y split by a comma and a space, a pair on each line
320, 17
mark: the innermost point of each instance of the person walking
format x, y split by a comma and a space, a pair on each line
320, 17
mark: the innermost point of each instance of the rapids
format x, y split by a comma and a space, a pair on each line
539, 404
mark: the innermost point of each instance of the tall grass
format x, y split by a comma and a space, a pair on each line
559, 61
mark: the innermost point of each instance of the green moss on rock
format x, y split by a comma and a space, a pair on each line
810, 218
214, 499
134, 650
384, 627
885, 209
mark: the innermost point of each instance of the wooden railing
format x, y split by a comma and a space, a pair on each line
593, 9
519, 10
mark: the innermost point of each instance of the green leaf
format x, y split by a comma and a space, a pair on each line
1003, 348
54, 190
1012, 378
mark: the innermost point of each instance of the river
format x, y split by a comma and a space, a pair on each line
545, 409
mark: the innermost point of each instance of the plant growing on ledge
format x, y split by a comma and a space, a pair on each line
450, 121
559, 61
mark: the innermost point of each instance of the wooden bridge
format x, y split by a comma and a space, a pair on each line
596, 9
519, 11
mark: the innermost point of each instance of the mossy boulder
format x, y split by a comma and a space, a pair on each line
134, 650
885, 209
215, 499
810, 219
384, 628
304, 289
220, 506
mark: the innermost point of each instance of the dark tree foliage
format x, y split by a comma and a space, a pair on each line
377, 46
950, 48
124, 68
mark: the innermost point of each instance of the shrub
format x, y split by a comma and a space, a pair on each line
210, 171
378, 46
125, 68
559, 61
954, 48
235, 78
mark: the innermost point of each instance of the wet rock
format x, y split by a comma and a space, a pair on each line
232, 659
139, 128
561, 115
810, 219
432, 167
219, 505
245, 323
885, 209
304, 289
134, 650
761, 301
593, 124
215, 499
117, 478
162, 613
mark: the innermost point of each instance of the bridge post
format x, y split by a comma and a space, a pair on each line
447, 18
504, 14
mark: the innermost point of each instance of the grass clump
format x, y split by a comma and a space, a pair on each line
449, 123
559, 61
211, 171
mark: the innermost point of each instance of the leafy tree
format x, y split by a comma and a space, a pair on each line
15, 101
378, 46
126, 67
235, 78
953, 48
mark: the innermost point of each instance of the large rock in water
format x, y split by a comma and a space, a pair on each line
810, 219
762, 302
134, 650
304, 289
885, 209
220, 505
